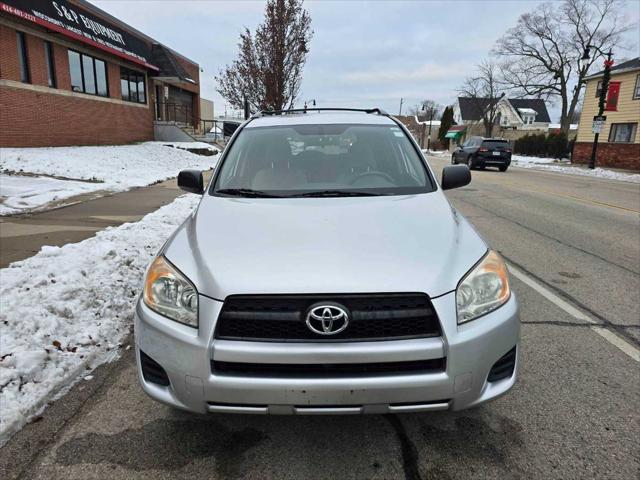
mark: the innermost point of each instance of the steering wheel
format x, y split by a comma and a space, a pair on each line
386, 176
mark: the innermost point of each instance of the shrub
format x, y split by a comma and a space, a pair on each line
554, 145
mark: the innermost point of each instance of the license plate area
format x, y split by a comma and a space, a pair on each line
495, 154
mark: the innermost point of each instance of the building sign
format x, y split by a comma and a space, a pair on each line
61, 16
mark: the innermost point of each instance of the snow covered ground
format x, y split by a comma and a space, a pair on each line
112, 168
596, 172
67, 309
521, 160
563, 166
21, 193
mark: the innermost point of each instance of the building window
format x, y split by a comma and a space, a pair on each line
598, 88
51, 66
636, 90
101, 78
75, 71
133, 86
23, 58
88, 74
623, 132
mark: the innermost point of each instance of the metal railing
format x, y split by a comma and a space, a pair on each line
174, 112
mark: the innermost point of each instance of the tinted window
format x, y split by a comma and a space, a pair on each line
124, 87
51, 69
133, 86
133, 91
495, 144
75, 70
141, 90
323, 160
87, 75
101, 78
23, 58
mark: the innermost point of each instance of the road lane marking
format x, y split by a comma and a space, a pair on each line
582, 199
608, 335
564, 195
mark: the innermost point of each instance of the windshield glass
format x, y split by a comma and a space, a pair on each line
495, 144
322, 160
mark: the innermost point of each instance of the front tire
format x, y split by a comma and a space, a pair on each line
470, 162
503, 168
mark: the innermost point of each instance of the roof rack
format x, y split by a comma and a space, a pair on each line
262, 113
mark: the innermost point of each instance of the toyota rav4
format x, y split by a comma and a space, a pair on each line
325, 272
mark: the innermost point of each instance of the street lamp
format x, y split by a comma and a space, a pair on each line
313, 102
608, 63
431, 112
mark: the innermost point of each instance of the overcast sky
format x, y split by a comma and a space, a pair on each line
362, 54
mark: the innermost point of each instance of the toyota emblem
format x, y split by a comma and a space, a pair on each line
327, 319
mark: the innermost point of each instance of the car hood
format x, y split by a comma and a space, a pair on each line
412, 243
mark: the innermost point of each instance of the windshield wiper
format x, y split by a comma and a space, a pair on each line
246, 192
336, 193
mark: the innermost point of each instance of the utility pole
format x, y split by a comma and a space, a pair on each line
247, 110
430, 122
606, 76
432, 111
401, 102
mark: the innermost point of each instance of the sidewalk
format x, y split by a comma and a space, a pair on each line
23, 236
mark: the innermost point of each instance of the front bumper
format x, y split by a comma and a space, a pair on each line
185, 354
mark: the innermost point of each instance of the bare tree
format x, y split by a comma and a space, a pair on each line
575, 118
542, 53
268, 69
426, 109
484, 91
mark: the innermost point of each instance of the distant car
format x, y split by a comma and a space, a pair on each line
479, 152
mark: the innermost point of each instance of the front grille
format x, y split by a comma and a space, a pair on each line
503, 368
325, 370
281, 318
152, 371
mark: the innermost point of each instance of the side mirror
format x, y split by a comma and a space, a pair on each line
191, 181
455, 176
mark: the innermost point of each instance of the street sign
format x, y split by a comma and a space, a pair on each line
598, 123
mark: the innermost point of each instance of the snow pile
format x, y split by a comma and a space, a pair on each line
112, 168
66, 309
596, 172
21, 193
436, 153
521, 160
190, 146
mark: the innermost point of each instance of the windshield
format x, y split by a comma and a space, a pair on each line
322, 160
495, 144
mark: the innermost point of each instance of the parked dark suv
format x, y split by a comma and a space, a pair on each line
484, 152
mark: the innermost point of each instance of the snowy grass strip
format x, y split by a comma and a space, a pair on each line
113, 168
66, 309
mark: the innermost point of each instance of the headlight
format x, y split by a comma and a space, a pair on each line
483, 289
168, 292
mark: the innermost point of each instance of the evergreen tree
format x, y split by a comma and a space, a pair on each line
446, 122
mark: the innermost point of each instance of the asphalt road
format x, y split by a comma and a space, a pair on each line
575, 412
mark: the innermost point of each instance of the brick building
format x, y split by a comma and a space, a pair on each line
71, 74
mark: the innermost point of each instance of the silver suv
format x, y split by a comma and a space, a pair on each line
325, 272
